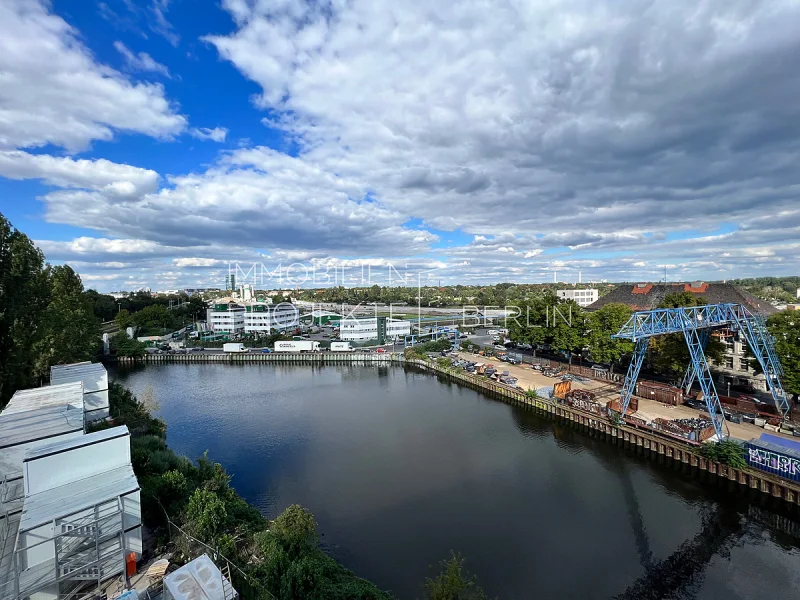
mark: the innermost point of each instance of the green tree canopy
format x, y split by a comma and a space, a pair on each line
45, 315
74, 332
602, 324
785, 328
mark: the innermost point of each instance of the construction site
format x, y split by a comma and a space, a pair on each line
70, 506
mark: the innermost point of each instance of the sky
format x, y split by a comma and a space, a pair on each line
162, 143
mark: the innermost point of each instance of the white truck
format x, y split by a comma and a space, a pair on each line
234, 347
341, 347
297, 346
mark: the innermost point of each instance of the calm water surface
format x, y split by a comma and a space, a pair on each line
399, 468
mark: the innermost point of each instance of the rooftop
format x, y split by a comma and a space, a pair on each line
43, 449
55, 395
77, 495
647, 296
93, 375
39, 424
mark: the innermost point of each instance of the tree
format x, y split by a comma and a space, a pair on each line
156, 317
103, 305
454, 582
123, 319
206, 515
602, 324
538, 315
122, 345
785, 328
569, 329
24, 296
74, 330
296, 530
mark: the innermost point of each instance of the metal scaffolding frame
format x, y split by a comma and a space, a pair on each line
696, 324
87, 550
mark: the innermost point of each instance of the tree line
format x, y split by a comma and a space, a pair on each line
46, 317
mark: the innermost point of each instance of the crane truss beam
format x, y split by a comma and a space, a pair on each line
696, 323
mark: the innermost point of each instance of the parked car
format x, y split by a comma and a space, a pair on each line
381, 350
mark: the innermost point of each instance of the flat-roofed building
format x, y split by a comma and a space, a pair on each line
81, 515
373, 328
95, 386
582, 297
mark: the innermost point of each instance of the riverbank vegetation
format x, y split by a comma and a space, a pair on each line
727, 452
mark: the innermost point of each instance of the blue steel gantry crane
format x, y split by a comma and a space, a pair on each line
696, 323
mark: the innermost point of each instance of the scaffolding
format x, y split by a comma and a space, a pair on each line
696, 324
72, 552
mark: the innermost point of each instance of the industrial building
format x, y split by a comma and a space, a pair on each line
324, 317
580, 297
251, 317
735, 366
373, 328
94, 378
262, 317
227, 317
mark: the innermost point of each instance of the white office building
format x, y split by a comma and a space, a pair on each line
580, 297
94, 378
226, 318
363, 329
260, 317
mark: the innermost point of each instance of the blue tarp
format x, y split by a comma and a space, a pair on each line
780, 441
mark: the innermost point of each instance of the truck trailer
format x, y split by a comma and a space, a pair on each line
233, 347
297, 346
341, 347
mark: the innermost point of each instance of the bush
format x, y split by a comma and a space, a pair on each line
727, 452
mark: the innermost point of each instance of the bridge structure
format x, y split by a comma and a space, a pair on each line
696, 324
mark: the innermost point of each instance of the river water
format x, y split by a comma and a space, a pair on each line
400, 468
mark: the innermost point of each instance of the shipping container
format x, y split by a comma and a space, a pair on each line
774, 455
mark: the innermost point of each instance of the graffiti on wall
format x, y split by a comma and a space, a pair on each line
759, 457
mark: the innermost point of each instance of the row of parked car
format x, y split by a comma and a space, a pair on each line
487, 370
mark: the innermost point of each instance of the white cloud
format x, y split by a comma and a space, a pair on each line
53, 91
587, 119
91, 277
197, 262
141, 61
256, 197
100, 174
218, 134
